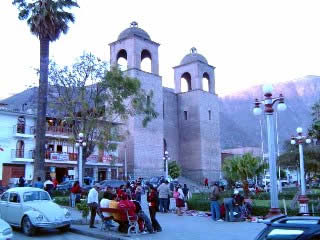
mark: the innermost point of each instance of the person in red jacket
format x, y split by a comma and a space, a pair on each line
75, 193
126, 204
152, 199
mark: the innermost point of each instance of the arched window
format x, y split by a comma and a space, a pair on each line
20, 149
185, 82
146, 61
122, 60
21, 126
205, 82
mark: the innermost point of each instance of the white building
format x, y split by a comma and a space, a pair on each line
17, 139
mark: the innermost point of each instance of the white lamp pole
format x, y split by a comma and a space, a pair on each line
80, 144
166, 158
268, 103
125, 163
303, 200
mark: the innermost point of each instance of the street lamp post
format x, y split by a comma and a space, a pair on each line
303, 200
80, 144
268, 103
125, 163
166, 158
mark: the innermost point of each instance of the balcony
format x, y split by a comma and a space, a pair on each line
61, 157
22, 155
58, 131
21, 130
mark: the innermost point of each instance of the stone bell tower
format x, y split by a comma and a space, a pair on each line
198, 117
144, 146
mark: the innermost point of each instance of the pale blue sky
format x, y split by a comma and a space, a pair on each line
248, 41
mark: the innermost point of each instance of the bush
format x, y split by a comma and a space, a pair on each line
83, 208
63, 201
57, 193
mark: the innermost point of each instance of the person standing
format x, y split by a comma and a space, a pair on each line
75, 193
152, 199
206, 182
179, 196
163, 190
48, 185
93, 203
21, 182
185, 191
229, 208
138, 192
38, 183
215, 208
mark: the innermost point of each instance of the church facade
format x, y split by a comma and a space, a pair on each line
188, 123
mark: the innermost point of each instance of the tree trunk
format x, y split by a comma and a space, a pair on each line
39, 170
245, 188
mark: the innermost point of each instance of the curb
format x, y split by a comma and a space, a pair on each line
102, 235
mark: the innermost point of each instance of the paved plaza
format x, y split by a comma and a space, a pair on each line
187, 227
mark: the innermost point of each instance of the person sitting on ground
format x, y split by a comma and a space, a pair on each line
238, 204
104, 203
126, 205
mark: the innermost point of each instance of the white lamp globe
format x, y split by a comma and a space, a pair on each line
281, 107
77, 145
299, 130
84, 144
308, 140
293, 141
267, 88
257, 111
166, 152
81, 135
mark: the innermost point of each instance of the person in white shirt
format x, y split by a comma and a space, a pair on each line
93, 203
104, 203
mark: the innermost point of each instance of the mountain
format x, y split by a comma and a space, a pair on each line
240, 128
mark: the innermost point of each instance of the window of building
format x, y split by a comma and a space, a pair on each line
185, 115
209, 112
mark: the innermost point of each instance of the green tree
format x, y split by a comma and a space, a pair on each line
97, 102
47, 19
174, 169
243, 168
314, 131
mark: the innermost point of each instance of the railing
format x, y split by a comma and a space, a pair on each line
58, 156
57, 130
23, 129
18, 153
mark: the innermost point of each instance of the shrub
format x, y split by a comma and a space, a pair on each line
63, 201
83, 208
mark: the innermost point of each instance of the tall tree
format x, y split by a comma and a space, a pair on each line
243, 168
97, 102
47, 19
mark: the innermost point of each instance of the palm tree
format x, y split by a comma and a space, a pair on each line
47, 20
242, 168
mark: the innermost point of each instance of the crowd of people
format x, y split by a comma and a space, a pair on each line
128, 197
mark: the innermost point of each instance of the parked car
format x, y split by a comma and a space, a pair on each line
112, 183
5, 231
65, 186
32, 208
291, 228
155, 181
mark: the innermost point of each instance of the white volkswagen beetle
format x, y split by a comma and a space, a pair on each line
5, 231
31, 208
